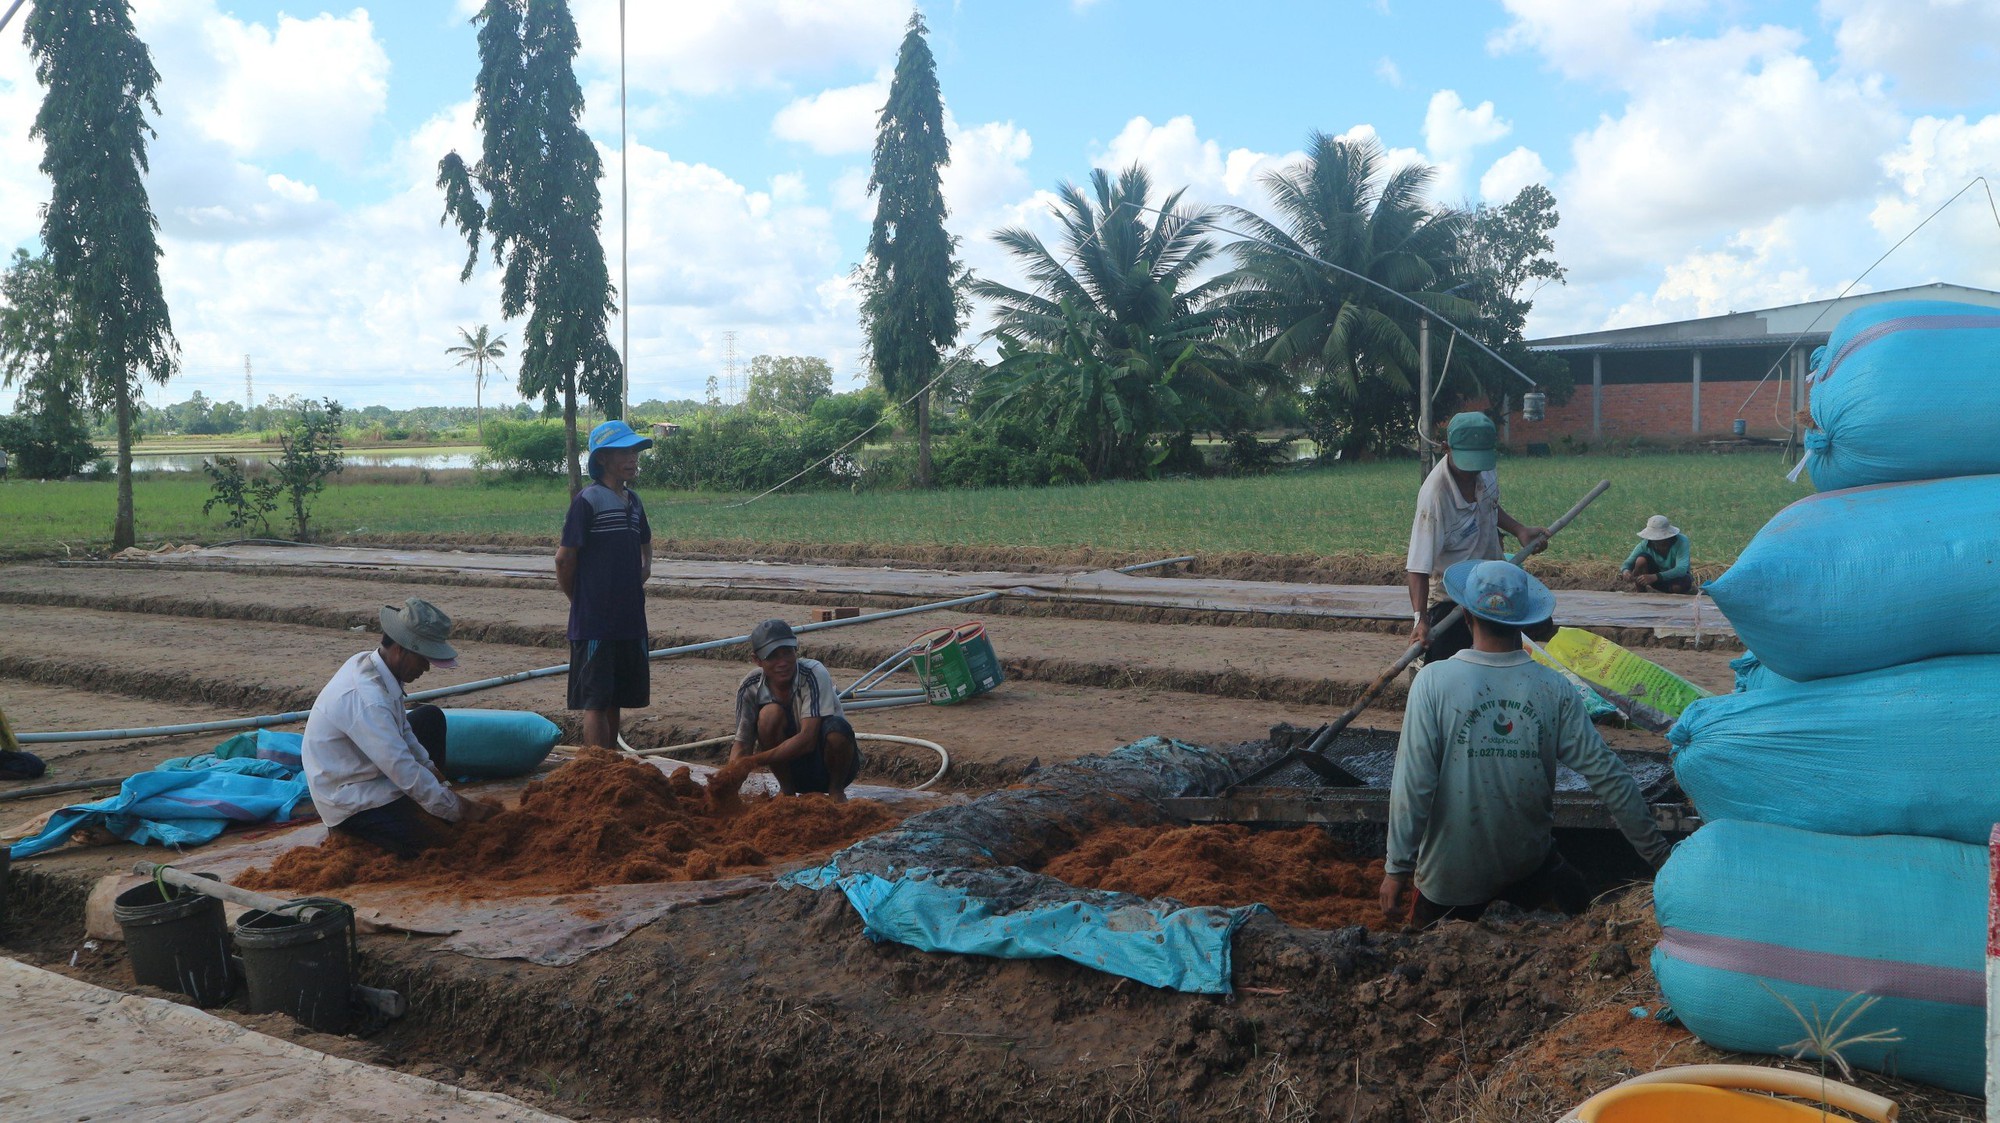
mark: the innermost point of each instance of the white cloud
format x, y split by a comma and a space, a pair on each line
316, 85
1940, 49
1716, 135
1452, 133
1938, 159
1177, 157
837, 121
1752, 271
1510, 173
724, 45
1586, 38
1390, 74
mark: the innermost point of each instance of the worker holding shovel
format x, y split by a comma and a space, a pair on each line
1472, 799
1459, 518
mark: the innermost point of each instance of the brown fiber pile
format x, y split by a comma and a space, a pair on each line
601, 819
1302, 875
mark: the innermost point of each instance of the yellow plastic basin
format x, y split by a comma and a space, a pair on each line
1692, 1103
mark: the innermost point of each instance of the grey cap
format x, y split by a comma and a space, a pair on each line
771, 635
423, 628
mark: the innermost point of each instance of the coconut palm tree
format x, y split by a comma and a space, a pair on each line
1351, 346
1118, 321
477, 351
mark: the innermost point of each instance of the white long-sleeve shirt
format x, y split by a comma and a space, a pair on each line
360, 752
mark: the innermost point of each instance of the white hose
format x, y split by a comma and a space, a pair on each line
944, 758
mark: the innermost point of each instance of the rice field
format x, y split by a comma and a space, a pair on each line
1719, 500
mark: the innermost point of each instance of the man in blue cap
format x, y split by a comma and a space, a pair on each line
1472, 801
1459, 518
602, 565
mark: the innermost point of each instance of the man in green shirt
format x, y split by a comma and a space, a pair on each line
1472, 800
1659, 563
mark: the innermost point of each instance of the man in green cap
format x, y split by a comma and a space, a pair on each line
1459, 518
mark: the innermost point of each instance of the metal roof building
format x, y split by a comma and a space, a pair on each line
1693, 378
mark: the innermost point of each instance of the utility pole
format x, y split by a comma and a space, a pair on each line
1425, 455
729, 390
249, 399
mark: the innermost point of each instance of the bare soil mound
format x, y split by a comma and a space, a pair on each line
1303, 875
601, 819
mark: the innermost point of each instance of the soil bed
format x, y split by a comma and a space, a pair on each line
601, 819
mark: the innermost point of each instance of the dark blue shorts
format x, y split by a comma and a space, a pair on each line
609, 674
809, 772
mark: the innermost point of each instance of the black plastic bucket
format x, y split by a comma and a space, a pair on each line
304, 968
179, 943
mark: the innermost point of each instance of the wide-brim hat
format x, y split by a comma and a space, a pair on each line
1474, 442
1499, 591
610, 435
421, 627
1658, 529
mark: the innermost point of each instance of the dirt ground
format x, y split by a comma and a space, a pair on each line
777, 1006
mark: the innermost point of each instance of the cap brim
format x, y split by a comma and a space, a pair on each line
1474, 459
634, 441
444, 664
775, 645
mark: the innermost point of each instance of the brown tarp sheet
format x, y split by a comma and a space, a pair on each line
1663, 614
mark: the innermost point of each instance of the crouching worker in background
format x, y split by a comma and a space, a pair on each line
375, 772
1472, 800
789, 718
1660, 562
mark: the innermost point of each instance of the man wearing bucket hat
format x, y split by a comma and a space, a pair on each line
1660, 562
1472, 799
789, 718
602, 566
1459, 518
375, 772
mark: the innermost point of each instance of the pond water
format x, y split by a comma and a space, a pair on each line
435, 459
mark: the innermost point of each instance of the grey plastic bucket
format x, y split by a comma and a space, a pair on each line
304, 968
180, 943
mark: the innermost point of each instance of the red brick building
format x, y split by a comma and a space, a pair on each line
1693, 378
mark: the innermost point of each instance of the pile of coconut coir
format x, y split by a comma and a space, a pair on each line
601, 819
1302, 875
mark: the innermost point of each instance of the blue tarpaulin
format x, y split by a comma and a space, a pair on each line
957, 879
1184, 949
172, 809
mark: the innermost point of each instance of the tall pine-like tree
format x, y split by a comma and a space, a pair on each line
99, 231
538, 172
910, 310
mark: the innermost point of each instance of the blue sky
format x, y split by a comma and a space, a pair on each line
1706, 156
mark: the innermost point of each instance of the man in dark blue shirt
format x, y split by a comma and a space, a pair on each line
602, 565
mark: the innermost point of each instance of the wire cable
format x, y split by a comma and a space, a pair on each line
1994, 207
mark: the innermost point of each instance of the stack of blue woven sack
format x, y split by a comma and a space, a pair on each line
1853, 780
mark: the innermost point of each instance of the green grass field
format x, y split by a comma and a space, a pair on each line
1719, 500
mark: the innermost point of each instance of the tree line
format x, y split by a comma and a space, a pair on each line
1151, 326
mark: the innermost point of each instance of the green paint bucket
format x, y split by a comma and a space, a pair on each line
940, 665
980, 661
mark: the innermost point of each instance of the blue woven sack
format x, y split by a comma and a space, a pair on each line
496, 744
1751, 674
1907, 750
1766, 930
1849, 581
1907, 391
